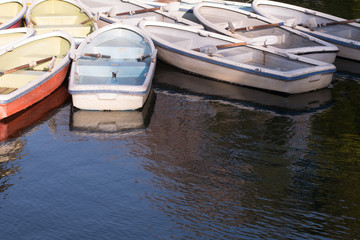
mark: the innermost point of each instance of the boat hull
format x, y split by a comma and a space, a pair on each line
34, 96
234, 76
109, 101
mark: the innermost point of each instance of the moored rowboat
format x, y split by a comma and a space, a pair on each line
61, 15
12, 13
33, 69
132, 12
343, 34
185, 9
113, 69
10, 36
245, 26
231, 60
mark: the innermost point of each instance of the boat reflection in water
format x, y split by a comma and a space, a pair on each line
12, 144
112, 122
14, 125
345, 65
170, 76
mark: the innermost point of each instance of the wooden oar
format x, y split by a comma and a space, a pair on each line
314, 24
133, 12
32, 64
95, 18
249, 28
228, 45
265, 40
96, 55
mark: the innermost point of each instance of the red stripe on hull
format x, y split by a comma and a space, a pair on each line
33, 96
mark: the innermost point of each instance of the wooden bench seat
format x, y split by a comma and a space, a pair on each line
76, 30
55, 19
6, 90
18, 79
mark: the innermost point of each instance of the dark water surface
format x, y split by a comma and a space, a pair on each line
203, 160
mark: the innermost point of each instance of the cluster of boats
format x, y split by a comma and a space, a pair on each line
110, 49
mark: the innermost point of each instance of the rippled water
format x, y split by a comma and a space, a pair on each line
203, 160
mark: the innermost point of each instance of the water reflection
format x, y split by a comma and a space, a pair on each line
12, 143
222, 167
100, 123
13, 126
214, 165
168, 76
344, 65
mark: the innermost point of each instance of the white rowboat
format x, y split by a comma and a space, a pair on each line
245, 26
346, 36
113, 69
132, 12
203, 53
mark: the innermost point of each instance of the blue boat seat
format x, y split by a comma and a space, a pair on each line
124, 72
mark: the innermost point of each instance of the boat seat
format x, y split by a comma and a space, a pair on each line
122, 80
6, 90
99, 68
76, 30
120, 52
88, 61
55, 19
18, 79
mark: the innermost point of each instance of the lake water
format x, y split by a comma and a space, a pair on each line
203, 160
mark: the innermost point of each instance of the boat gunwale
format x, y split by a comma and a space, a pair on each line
321, 67
41, 79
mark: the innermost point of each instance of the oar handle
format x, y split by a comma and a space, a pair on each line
228, 45
86, 21
31, 64
96, 55
138, 11
249, 28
